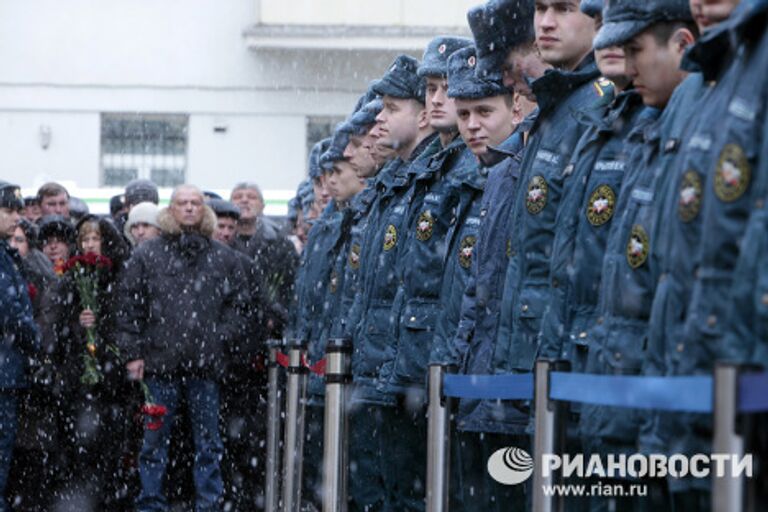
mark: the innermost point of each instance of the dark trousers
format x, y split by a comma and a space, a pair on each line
9, 422
202, 398
388, 454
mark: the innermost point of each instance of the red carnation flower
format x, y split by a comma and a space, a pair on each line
154, 414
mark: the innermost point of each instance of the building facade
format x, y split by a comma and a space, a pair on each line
211, 92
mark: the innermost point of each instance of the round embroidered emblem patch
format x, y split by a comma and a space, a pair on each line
638, 246
733, 173
390, 238
536, 199
690, 196
354, 256
601, 205
424, 226
465, 251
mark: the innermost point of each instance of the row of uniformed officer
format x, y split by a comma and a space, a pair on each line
606, 227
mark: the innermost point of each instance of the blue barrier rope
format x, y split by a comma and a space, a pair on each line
753, 392
489, 387
676, 394
683, 394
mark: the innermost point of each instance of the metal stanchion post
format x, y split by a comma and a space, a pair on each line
338, 375
293, 440
438, 442
274, 408
548, 434
728, 490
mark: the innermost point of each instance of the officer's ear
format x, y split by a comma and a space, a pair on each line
517, 110
681, 39
423, 119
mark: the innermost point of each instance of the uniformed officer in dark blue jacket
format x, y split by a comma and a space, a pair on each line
487, 118
343, 184
701, 221
431, 219
654, 37
305, 293
563, 37
17, 329
404, 127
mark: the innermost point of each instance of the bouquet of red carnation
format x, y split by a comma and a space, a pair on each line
153, 411
86, 271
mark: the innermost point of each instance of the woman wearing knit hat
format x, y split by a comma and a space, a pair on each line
142, 223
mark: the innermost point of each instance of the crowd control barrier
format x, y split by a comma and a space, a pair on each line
274, 421
729, 393
338, 376
293, 439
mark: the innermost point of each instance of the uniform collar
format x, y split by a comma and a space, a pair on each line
712, 53
552, 88
510, 148
419, 149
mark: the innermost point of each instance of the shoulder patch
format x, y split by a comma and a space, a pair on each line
536, 199
638, 246
465, 251
601, 205
354, 256
733, 173
689, 203
390, 237
424, 226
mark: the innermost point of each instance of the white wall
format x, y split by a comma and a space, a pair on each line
64, 63
420, 13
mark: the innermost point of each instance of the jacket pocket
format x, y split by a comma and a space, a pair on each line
416, 334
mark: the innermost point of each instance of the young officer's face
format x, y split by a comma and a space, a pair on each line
440, 108
358, 154
320, 189
717, 11
522, 64
611, 62
343, 181
398, 122
485, 122
380, 153
654, 68
563, 33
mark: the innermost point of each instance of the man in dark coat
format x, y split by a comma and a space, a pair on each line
182, 316
261, 239
17, 330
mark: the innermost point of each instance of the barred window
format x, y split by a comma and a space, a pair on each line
148, 146
318, 128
